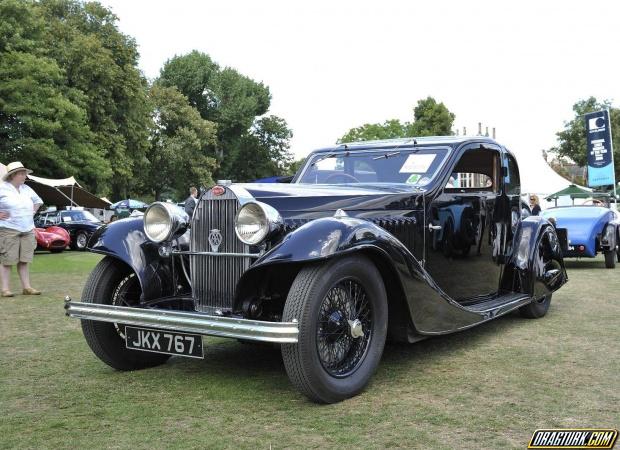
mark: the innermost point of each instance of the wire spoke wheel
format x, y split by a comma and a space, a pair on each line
344, 328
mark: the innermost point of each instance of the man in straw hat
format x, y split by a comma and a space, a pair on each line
18, 203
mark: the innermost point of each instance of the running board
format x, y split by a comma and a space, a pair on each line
500, 305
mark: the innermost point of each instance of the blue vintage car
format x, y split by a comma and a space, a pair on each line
591, 229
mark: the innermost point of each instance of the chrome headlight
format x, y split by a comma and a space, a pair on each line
255, 221
162, 221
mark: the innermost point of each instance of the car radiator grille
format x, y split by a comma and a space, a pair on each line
214, 278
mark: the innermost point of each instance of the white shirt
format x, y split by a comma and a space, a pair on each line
20, 206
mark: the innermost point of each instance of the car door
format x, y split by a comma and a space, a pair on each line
466, 224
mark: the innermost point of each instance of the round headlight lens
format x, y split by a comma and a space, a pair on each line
252, 225
163, 221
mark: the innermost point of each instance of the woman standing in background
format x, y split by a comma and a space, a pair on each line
18, 204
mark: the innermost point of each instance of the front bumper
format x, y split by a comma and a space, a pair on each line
188, 322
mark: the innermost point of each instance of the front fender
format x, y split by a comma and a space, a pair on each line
430, 310
125, 240
326, 237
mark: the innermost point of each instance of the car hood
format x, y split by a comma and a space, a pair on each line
582, 222
307, 199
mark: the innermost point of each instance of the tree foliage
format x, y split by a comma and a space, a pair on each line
248, 146
73, 100
430, 119
180, 138
572, 139
261, 152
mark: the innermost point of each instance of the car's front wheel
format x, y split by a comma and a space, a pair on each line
341, 308
113, 283
610, 259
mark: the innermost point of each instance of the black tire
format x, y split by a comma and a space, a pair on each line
536, 309
80, 241
111, 282
310, 298
610, 259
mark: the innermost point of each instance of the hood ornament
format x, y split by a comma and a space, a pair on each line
215, 239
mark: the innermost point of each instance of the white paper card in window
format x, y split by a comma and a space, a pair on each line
417, 163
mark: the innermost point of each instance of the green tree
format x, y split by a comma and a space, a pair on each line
101, 63
223, 96
572, 139
390, 129
180, 138
43, 122
430, 119
261, 152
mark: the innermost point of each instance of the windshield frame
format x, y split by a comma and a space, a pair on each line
314, 157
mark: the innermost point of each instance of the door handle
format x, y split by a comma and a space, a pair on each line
434, 227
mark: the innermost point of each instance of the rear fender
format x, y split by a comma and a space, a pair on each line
125, 240
526, 270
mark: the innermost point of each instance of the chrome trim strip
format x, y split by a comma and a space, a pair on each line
239, 255
188, 322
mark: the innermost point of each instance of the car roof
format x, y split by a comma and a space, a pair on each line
452, 141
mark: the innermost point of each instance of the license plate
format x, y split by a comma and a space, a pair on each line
160, 341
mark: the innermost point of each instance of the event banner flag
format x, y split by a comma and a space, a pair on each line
600, 149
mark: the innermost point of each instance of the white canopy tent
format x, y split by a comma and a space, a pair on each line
542, 180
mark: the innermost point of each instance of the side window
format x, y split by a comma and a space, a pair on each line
477, 170
512, 181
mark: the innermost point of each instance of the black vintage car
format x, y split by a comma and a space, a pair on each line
79, 224
400, 239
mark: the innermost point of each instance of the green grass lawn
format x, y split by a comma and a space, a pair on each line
489, 387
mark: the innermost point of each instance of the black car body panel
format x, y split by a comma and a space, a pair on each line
420, 238
390, 221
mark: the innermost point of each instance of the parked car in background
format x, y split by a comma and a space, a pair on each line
591, 228
78, 223
329, 265
54, 239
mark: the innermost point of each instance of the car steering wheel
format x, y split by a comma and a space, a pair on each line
345, 175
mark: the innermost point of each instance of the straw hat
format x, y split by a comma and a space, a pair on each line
13, 167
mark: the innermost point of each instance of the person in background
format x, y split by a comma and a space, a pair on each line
190, 202
535, 204
18, 204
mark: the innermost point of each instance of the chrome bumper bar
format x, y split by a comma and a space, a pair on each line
188, 322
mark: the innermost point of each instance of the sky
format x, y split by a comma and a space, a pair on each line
334, 65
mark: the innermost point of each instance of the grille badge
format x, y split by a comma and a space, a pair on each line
215, 239
218, 190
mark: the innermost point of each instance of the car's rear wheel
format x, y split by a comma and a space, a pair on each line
610, 259
81, 240
536, 309
113, 283
341, 308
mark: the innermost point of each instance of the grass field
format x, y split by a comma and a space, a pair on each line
489, 387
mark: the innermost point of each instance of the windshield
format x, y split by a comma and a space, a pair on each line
74, 216
415, 167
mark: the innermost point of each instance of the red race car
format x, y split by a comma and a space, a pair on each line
54, 239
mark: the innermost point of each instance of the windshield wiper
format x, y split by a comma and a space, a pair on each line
386, 156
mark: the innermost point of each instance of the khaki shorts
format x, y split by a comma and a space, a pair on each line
16, 246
